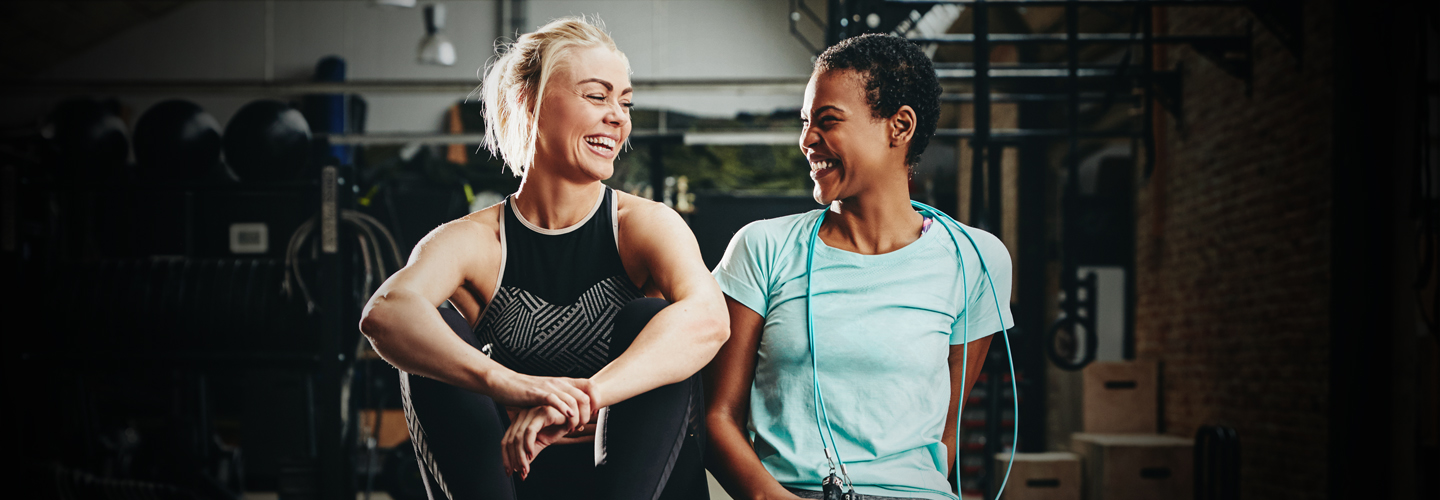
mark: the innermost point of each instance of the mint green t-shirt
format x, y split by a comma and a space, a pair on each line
883, 327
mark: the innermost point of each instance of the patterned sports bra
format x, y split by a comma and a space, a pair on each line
558, 292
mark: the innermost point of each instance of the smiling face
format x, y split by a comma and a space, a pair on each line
585, 115
849, 150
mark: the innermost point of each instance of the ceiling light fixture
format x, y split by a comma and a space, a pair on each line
435, 48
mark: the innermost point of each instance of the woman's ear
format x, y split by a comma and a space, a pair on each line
902, 126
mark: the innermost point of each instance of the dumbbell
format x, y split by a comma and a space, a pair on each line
194, 291
171, 291
121, 302
235, 302
213, 326
266, 286
152, 306
244, 302
97, 306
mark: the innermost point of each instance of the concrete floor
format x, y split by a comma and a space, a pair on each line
716, 493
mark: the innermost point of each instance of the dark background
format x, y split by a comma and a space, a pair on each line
1265, 189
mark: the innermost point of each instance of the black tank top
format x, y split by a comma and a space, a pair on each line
557, 295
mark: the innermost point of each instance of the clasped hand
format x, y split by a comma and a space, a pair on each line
543, 411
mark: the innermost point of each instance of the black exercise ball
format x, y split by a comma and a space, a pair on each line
86, 136
176, 139
267, 140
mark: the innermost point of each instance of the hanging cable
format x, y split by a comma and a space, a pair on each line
370, 234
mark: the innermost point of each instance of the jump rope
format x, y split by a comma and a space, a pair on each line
833, 485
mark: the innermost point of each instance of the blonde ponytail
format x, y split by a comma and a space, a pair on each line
514, 85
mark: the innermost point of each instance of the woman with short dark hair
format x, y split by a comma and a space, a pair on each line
854, 328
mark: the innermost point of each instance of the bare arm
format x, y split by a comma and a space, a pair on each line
679, 340
978, 348
731, 457
405, 328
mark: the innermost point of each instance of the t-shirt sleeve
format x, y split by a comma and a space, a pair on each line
744, 271
983, 318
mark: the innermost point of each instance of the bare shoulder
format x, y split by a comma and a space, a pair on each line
487, 218
644, 217
658, 249
470, 235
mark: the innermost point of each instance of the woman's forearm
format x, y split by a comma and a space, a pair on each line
732, 460
976, 350
675, 344
409, 333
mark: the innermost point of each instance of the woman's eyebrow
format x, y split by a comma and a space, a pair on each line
827, 107
607, 85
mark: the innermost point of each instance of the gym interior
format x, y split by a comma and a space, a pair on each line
1223, 218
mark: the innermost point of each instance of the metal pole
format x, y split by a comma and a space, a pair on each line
1072, 52
1069, 285
1147, 82
657, 170
334, 475
834, 16
1147, 121
980, 143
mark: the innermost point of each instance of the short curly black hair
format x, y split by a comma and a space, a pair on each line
896, 73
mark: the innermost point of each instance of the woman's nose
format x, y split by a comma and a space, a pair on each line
617, 116
808, 138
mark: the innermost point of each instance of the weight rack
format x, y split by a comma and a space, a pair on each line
120, 310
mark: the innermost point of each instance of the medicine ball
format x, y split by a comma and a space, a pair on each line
267, 140
176, 139
87, 136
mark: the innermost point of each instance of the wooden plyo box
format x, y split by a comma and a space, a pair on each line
1041, 476
1135, 466
1122, 397
392, 427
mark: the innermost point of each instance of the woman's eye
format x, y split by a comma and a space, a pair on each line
596, 97
628, 105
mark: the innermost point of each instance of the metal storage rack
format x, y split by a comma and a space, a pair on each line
133, 314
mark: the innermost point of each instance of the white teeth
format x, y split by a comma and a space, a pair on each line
821, 165
601, 141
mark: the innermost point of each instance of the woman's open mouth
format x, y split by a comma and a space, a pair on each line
823, 168
601, 145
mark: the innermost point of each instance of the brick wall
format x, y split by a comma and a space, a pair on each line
1233, 262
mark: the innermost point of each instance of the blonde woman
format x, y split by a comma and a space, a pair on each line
582, 298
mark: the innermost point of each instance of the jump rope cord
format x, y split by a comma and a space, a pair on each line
1005, 335
822, 415
819, 400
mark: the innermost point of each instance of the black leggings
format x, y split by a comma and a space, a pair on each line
653, 440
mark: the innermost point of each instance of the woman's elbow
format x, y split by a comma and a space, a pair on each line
717, 330
374, 319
